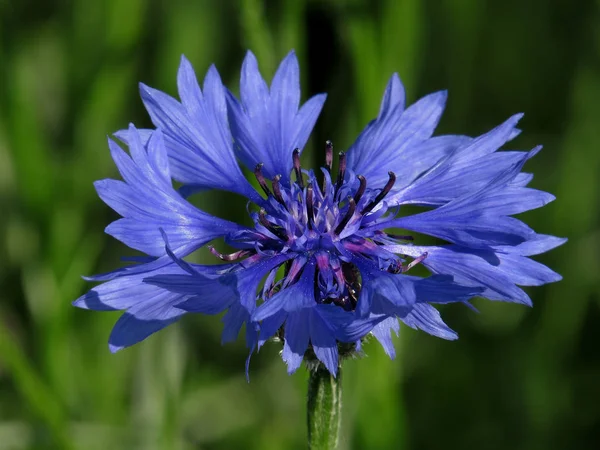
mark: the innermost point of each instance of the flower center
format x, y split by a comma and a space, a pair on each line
326, 221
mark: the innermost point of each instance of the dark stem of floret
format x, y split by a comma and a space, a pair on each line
310, 211
385, 191
341, 174
261, 179
328, 155
298, 168
402, 237
277, 190
276, 230
232, 256
361, 189
347, 217
351, 289
401, 268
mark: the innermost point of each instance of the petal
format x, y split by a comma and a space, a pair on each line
140, 322
323, 341
296, 339
477, 220
479, 268
425, 317
386, 138
266, 124
148, 308
393, 97
299, 295
148, 202
196, 132
207, 295
383, 333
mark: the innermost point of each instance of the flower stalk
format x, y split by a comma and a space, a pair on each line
324, 408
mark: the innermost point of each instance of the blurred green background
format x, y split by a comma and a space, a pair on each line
518, 378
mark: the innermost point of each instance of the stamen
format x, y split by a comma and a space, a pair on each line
261, 179
347, 217
341, 174
386, 189
277, 190
328, 155
297, 168
328, 163
402, 237
310, 206
361, 189
277, 231
232, 256
414, 262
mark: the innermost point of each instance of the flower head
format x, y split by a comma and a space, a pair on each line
323, 264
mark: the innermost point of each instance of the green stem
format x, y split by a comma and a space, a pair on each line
324, 411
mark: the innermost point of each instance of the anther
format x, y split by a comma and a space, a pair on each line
328, 163
361, 189
261, 179
231, 257
328, 155
310, 206
277, 231
341, 174
297, 168
385, 191
402, 237
277, 189
347, 217
414, 262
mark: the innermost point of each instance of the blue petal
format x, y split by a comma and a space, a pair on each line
148, 308
267, 125
300, 295
478, 220
347, 326
323, 340
425, 317
479, 268
247, 282
147, 201
208, 295
233, 320
385, 139
383, 333
296, 339
138, 323
383, 292
540, 243
393, 98
270, 326
444, 289
196, 132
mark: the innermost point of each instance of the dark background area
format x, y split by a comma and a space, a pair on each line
518, 378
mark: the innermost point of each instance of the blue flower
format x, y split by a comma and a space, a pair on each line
323, 265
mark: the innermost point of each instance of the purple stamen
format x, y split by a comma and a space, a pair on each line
386, 189
414, 262
328, 155
341, 174
402, 237
297, 168
261, 179
361, 189
347, 217
277, 190
310, 206
230, 257
277, 231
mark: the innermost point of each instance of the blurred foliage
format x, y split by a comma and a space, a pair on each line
517, 379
